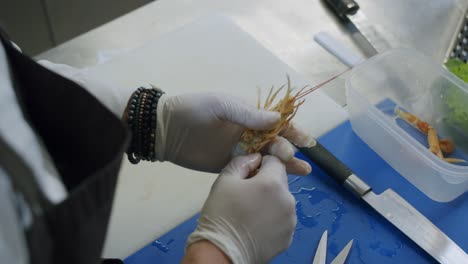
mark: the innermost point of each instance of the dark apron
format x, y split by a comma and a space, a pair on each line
86, 143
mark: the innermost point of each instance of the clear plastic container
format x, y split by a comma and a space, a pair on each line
409, 80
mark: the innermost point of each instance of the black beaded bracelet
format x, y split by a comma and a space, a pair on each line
141, 118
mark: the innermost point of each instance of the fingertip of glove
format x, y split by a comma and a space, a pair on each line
306, 141
304, 168
307, 168
262, 119
269, 160
243, 165
253, 160
272, 115
299, 136
271, 118
282, 149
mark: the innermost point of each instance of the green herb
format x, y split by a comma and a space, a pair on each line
455, 98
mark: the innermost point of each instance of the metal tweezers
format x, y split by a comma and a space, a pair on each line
321, 253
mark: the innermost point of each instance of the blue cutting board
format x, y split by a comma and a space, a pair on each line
323, 204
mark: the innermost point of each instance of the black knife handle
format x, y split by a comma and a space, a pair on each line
327, 162
343, 7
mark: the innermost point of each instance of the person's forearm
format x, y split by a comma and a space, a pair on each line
204, 252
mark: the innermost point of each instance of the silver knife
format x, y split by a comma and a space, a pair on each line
392, 207
371, 39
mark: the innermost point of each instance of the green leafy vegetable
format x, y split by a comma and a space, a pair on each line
457, 99
459, 68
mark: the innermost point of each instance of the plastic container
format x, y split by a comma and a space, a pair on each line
409, 80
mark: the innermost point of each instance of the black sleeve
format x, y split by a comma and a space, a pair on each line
69, 120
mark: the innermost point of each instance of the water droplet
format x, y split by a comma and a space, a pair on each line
399, 245
161, 246
372, 223
374, 245
315, 197
294, 180
359, 253
304, 219
387, 252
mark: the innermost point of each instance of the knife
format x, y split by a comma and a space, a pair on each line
392, 207
370, 39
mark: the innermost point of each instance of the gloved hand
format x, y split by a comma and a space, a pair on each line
250, 219
199, 131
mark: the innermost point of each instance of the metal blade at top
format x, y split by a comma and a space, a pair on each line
376, 37
416, 226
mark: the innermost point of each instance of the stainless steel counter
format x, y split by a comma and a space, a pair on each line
285, 28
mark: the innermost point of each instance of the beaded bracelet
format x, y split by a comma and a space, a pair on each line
141, 119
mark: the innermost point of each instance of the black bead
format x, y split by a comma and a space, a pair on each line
142, 121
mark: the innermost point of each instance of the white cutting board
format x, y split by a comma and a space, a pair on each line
210, 55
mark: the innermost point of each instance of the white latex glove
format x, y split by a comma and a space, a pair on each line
250, 219
199, 131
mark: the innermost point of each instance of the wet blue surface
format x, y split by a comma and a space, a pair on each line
322, 204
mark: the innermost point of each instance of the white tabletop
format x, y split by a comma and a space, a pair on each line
285, 28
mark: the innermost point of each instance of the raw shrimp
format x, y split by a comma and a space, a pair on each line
413, 120
433, 141
252, 141
436, 145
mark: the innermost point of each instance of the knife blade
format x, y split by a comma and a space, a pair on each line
392, 207
369, 38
